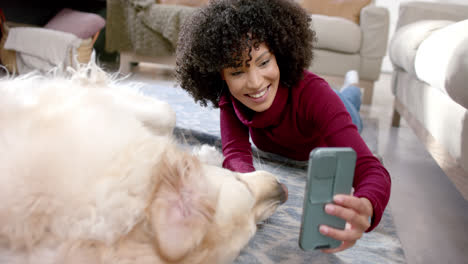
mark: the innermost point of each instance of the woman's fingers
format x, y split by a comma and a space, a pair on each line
350, 215
360, 205
356, 212
348, 234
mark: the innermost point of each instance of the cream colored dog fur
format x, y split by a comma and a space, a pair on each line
90, 173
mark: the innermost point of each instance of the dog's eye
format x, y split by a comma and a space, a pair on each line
263, 223
245, 183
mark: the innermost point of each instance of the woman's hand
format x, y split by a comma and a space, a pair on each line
356, 211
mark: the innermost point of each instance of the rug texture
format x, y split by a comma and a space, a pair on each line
276, 240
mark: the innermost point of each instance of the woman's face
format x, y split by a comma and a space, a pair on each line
254, 86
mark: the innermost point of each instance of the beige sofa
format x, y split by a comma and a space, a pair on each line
146, 31
429, 51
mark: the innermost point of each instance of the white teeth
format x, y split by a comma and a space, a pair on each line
258, 95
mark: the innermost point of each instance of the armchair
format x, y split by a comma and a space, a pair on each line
144, 31
343, 45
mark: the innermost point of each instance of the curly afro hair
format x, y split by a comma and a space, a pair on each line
215, 37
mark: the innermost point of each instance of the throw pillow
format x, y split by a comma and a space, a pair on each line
184, 2
349, 9
82, 24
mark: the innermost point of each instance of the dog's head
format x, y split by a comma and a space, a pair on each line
206, 214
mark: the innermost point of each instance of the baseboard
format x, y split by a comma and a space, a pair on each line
126, 58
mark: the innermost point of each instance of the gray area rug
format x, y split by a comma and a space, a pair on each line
276, 240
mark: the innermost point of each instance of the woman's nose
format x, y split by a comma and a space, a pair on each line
254, 79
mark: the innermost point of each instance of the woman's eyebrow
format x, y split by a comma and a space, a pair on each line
260, 57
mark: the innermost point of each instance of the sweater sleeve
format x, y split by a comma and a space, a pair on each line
329, 115
236, 146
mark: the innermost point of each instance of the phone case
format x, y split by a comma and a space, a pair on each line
330, 171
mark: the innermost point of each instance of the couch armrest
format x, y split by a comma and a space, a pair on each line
374, 23
410, 12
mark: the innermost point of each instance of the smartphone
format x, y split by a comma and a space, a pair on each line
330, 171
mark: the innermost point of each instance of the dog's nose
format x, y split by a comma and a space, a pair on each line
283, 193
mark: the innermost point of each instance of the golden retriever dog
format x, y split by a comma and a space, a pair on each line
90, 173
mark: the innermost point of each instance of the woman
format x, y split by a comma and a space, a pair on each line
248, 57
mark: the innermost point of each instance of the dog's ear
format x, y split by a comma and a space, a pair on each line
183, 208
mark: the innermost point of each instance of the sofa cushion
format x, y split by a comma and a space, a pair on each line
81, 24
441, 61
405, 42
456, 76
349, 9
325, 62
336, 34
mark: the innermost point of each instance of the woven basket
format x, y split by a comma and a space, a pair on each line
8, 57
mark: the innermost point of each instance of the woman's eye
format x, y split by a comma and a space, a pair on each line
265, 62
236, 73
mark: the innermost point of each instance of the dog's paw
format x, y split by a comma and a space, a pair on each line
209, 155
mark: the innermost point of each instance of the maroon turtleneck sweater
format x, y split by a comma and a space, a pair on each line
300, 119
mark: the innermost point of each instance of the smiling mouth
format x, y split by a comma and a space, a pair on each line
259, 94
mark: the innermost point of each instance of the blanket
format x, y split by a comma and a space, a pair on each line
276, 240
